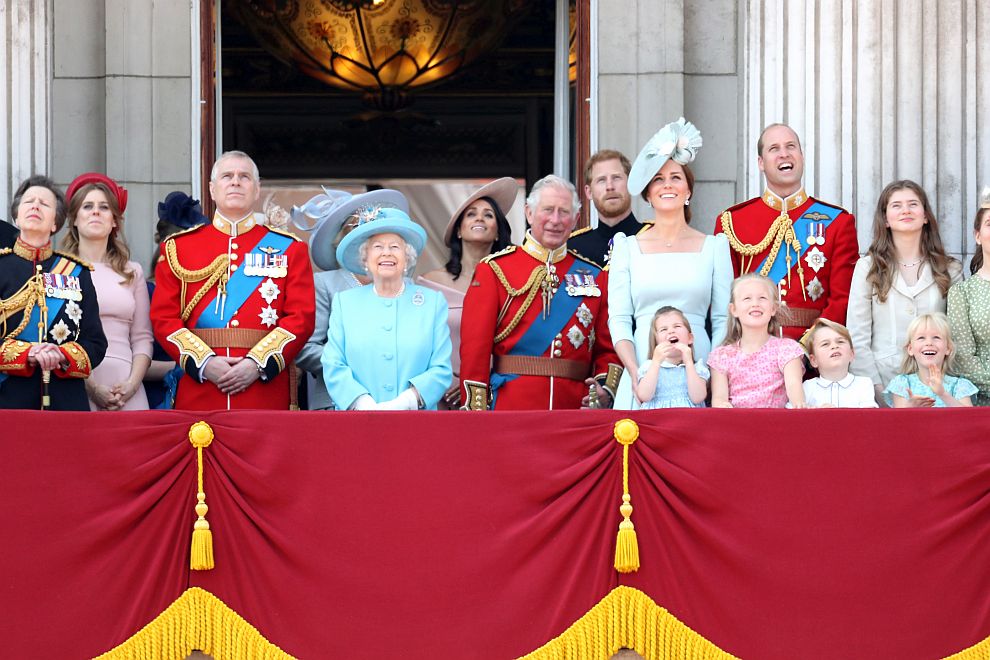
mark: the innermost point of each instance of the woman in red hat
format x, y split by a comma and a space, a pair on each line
96, 223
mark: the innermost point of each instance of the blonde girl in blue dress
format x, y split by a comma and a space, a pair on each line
924, 381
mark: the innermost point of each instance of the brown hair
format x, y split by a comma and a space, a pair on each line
41, 181
117, 251
688, 176
883, 268
821, 324
977, 261
909, 365
734, 333
666, 309
601, 156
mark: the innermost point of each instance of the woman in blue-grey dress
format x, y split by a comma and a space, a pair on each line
329, 217
388, 344
668, 263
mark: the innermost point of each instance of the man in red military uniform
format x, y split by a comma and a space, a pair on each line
534, 330
234, 300
806, 246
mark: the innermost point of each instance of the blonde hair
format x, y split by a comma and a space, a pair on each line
941, 324
734, 333
666, 309
821, 324
118, 253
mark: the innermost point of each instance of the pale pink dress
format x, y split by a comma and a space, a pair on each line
455, 305
756, 380
124, 313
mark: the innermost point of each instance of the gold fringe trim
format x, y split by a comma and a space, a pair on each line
628, 618
979, 651
197, 621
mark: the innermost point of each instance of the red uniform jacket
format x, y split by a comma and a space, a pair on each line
495, 321
827, 264
269, 328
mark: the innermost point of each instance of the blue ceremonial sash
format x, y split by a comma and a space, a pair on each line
779, 269
30, 333
54, 305
240, 286
541, 333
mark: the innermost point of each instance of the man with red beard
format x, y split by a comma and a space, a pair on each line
605, 177
806, 246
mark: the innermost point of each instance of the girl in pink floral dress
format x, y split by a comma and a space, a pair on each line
754, 368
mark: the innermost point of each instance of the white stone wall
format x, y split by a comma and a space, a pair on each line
25, 68
121, 102
660, 59
879, 90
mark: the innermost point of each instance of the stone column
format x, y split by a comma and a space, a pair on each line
878, 91
25, 67
121, 92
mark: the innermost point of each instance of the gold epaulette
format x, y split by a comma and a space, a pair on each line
6, 251
500, 253
283, 232
646, 225
581, 257
187, 231
74, 257
582, 230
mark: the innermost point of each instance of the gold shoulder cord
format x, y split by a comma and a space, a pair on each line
215, 273
538, 275
781, 231
24, 299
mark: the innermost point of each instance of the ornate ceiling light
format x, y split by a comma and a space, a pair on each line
383, 48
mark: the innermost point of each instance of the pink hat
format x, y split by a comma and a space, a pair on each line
95, 177
503, 191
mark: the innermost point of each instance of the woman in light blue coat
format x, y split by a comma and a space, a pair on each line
388, 344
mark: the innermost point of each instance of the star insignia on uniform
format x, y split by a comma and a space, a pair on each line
815, 289
269, 290
268, 316
584, 315
816, 259
74, 312
60, 332
575, 336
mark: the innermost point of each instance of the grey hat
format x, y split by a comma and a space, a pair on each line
330, 210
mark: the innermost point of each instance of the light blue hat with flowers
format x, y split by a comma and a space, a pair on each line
374, 221
679, 140
324, 216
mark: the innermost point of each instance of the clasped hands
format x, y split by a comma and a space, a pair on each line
231, 375
46, 356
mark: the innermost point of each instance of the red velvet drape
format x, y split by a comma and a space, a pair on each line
774, 534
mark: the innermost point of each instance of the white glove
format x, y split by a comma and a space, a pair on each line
407, 400
364, 402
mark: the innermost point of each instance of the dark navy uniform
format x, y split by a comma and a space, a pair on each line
594, 244
40, 282
8, 233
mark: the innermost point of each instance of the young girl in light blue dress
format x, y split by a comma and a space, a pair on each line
924, 381
671, 378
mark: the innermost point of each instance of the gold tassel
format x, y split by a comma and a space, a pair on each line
626, 545
201, 552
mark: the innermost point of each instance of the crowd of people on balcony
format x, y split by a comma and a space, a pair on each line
775, 309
